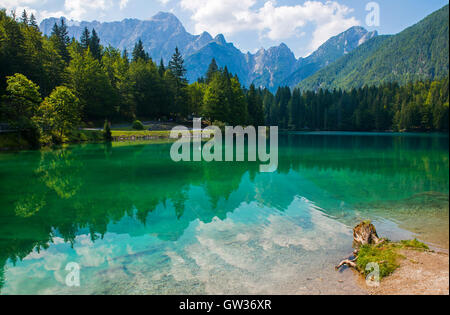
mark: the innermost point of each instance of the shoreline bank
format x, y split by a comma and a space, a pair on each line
420, 273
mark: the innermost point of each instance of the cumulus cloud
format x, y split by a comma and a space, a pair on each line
268, 19
271, 20
18, 3
72, 9
123, 4
164, 2
77, 9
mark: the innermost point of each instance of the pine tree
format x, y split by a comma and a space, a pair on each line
295, 110
139, 52
255, 107
94, 46
212, 69
33, 22
161, 68
85, 39
176, 66
61, 40
24, 18
125, 56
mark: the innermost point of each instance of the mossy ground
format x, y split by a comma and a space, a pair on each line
386, 255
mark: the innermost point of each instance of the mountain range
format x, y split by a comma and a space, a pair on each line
353, 58
421, 52
269, 68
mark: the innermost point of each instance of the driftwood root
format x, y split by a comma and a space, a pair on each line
364, 233
348, 262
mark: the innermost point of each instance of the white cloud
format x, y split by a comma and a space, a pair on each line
18, 3
72, 9
123, 4
271, 21
164, 2
77, 9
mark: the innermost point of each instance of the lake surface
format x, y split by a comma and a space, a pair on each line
138, 223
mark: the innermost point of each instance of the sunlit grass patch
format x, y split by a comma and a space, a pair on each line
386, 255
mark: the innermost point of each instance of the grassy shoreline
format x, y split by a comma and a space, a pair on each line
10, 141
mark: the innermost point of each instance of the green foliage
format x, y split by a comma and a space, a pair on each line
212, 70
94, 46
221, 125
59, 114
85, 38
60, 39
384, 255
20, 104
107, 131
419, 106
414, 244
92, 86
139, 52
110, 86
196, 94
21, 101
78, 136
255, 108
138, 125
225, 100
176, 66
150, 94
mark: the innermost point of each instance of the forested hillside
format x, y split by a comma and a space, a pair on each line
52, 85
420, 106
418, 53
49, 83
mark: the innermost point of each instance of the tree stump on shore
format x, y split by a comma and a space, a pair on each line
364, 233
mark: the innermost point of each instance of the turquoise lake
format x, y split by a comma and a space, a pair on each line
138, 223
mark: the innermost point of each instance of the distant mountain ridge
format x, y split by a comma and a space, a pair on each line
269, 68
420, 52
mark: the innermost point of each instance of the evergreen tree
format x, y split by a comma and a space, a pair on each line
93, 87
178, 71
176, 66
215, 103
139, 52
255, 107
85, 39
24, 18
61, 40
125, 56
212, 69
161, 68
94, 45
33, 22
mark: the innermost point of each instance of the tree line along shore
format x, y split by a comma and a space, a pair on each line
51, 87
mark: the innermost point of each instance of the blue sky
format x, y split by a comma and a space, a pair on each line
249, 24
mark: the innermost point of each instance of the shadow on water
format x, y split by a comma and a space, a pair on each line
92, 189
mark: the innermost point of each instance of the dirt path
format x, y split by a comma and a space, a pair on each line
421, 273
